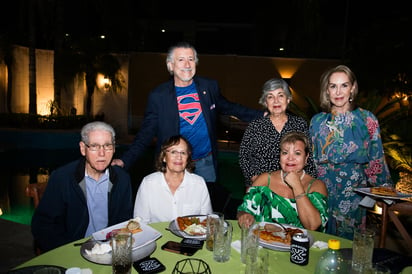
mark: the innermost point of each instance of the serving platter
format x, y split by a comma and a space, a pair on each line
148, 234
279, 246
368, 191
106, 258
175, 229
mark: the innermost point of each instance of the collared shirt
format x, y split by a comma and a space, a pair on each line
156, 203
97, 202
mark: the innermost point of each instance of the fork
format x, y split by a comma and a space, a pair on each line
281, 225
88, 240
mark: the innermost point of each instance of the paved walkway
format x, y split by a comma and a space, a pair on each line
16, 244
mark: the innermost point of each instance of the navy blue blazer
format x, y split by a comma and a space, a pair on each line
161, 118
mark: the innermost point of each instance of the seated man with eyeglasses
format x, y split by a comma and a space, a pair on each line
173, 190
86, 195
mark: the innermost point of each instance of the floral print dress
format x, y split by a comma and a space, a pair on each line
267, 206
348, 153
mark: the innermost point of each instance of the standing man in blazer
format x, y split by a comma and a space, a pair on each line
188, 105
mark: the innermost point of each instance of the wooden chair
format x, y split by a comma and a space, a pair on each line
35, 191
389, 213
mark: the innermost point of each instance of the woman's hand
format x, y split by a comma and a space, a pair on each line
293, 181
245, 219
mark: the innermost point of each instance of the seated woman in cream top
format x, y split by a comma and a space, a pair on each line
173, 190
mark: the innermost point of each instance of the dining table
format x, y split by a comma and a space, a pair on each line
69, 255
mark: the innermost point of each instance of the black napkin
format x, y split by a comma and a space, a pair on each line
396, 262
149, 266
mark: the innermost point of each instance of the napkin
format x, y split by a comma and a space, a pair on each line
320, 245
99, 249
78, 270
236, 245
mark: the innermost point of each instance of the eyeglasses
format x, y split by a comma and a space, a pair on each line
175, 153
97, 147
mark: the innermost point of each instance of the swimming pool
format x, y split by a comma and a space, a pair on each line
19, 167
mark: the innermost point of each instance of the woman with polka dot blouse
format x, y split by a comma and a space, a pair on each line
259, 150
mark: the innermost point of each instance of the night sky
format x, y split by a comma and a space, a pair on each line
374, 36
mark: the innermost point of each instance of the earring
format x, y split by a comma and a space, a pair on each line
350, 98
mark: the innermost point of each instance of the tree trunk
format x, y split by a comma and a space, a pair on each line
90, 85
32, 60
58, 46
8, 59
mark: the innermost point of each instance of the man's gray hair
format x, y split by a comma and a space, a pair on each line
171, 52
97, 125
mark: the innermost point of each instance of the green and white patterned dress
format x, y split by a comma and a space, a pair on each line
267, 206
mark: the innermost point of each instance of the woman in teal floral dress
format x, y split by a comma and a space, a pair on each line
289, 195
347, 150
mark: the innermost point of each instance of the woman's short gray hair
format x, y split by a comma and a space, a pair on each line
97, 125
271, 85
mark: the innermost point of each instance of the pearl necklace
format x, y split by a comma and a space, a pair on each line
283, 175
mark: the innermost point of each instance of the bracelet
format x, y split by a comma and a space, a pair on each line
300, 195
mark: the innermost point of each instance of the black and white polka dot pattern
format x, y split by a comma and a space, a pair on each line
259, 150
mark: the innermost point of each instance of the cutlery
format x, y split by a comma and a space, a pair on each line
177, 231
89, 240
281, 225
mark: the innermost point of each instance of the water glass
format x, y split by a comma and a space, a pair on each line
213, 219
222, 242
362, 250
122, 252
257, 260
249, 239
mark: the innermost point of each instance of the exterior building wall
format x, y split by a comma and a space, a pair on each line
240, 79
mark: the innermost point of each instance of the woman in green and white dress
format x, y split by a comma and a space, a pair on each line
288, 196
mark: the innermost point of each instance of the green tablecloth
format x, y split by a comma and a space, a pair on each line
69, 256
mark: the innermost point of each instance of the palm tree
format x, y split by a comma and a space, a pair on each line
32, 59
6, 53
88, 63
58, 48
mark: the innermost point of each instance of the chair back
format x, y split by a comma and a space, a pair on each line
35, 191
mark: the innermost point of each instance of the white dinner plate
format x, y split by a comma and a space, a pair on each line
147, 235
281, 246
174, 228
399, 195
137, 253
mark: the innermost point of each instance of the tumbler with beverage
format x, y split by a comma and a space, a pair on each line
122, 253
213, 219
362, 249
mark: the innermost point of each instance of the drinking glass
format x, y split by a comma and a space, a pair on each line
213, 219
249, 239
121, 252
222, 239
257, 260
362, 249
